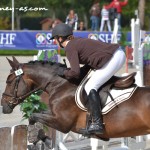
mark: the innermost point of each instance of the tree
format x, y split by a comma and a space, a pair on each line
141, 9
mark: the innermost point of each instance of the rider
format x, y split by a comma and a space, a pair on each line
105, 58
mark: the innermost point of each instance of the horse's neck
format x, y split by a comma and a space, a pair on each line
42, 76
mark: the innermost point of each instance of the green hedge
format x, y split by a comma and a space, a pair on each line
32, 104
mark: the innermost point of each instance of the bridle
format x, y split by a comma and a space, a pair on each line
14, 99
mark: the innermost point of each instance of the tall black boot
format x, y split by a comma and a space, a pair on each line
95, 110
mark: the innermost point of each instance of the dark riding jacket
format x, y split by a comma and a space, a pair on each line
89, 52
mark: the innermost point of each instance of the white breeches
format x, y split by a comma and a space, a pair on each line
103, 24
102, 75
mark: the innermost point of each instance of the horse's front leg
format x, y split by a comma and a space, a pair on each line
37, 133
53, 121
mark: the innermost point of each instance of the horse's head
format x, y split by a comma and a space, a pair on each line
13, 94
25, 79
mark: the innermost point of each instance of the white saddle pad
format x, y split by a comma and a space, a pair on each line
119, 96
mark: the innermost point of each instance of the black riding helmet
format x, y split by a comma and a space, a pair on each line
62, 30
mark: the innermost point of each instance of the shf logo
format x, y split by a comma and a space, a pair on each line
7, 38
93, 36
44, 39
41, 38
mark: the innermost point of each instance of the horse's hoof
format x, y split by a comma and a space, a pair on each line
48, 143
41, 135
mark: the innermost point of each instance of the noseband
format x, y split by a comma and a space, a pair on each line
14, 99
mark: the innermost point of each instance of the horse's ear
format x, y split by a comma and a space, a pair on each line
12, 64
15, 61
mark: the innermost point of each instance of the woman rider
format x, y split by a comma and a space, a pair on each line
105, 58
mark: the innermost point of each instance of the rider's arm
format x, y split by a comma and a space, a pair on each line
74, 71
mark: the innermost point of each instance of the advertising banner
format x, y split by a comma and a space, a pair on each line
37, 40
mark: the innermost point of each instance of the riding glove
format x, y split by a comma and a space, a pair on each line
61, 71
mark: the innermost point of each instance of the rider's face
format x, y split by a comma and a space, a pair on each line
56, 41
60, 39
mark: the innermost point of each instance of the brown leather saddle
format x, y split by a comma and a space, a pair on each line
126, 81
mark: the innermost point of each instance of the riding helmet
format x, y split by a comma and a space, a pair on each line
61, 29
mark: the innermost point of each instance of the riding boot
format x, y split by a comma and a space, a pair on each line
95, 110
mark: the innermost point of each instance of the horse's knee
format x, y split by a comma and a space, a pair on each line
38, 117
46, 112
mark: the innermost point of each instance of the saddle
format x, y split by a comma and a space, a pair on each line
115, 82
126, 81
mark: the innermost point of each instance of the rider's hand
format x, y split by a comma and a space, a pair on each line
61, 71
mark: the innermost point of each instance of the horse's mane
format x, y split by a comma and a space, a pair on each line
73, 81
42, 62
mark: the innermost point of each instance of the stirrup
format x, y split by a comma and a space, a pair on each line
96, 128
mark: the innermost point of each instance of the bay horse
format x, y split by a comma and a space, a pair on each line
130, 118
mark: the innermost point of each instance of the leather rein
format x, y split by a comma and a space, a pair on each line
14, 99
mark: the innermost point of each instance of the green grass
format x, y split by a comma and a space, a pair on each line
23, 52
19, 52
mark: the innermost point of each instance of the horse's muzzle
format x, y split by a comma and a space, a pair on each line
7, 109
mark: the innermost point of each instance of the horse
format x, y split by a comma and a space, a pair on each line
128, 119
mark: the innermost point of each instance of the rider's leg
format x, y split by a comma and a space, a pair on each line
98, 78
95, 111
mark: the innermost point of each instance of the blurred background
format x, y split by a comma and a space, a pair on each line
31, 20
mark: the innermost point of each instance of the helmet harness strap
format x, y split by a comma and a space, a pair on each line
63, 39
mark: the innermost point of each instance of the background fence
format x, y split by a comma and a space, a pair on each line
13, 138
